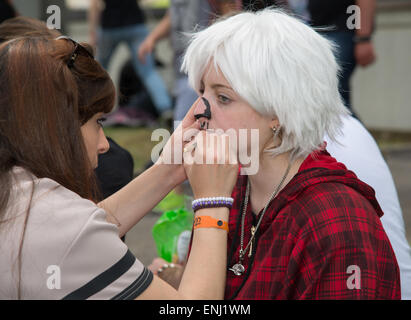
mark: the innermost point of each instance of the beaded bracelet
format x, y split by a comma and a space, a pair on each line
212, 202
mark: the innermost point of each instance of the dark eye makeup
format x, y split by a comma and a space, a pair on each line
100, 121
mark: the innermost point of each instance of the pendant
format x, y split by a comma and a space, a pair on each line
238, 269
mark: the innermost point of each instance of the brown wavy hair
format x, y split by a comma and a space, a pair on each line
22, 26
43, 104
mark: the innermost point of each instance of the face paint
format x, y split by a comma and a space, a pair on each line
206, 114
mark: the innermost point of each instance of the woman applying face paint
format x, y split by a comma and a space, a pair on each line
50, 219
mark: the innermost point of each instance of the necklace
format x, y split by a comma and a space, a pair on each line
238, 268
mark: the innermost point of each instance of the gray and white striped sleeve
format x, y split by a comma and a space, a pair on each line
99, 265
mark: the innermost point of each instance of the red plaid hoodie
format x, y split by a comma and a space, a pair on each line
324, 221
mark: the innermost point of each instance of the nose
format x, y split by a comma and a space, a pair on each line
203, 112
103, 145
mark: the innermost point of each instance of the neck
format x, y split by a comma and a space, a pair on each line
270, 174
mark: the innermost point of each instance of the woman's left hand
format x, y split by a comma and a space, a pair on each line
172, 154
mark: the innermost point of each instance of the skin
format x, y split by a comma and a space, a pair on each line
94, 138
204, 275
229, 110
364, 52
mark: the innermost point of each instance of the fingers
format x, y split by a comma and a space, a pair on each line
200, 150
188, 151
189, 135
189, 117
191, 131
207, 164
189, 125
156, 264
229, 150
193, 151
209, 147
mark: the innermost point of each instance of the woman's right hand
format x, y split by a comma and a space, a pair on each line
211, 165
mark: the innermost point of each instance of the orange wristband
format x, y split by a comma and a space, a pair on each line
209, 222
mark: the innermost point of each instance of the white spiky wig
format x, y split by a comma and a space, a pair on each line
281, 67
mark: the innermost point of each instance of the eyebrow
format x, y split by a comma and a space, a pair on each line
217, 85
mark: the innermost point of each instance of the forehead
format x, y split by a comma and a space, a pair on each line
214, 75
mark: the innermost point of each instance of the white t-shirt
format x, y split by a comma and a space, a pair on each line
69, 251
360, 153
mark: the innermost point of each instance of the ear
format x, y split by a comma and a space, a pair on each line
274, 123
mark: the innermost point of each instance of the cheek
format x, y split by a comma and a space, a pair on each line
221, 123
225, 119
90, 138
86, 136
238, 123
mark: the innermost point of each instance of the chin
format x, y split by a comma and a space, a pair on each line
94, 163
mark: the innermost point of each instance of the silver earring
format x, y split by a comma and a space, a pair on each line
276, 131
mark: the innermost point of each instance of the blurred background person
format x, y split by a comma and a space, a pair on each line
183, 16
6, 10
113, 22
355, 45
352, 34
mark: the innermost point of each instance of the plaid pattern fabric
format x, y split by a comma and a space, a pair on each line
321, 226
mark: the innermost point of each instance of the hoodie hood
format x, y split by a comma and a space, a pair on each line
321, 167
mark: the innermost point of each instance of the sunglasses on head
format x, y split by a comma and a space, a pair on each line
78, 50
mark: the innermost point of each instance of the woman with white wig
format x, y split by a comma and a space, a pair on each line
302, 225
